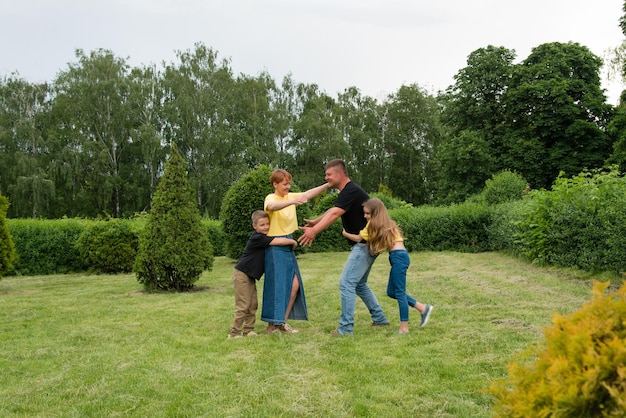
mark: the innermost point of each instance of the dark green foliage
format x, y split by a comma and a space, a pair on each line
578, 371
244, 197
216, 236
390, 201
454, 228
503, 230
174, 248
109, 246
580, 223
47, 246
8, 256
503, 187
464, 161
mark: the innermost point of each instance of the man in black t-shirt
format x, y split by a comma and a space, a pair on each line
353, 280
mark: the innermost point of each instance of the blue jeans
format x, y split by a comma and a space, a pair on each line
353, 282
396, 288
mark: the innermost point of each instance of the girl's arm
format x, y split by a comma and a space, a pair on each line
352, 237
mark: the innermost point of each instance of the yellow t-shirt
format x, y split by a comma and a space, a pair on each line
284, 221
363, 233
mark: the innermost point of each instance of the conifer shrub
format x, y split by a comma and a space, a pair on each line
578, 371
173, 247
109, 246
8, 256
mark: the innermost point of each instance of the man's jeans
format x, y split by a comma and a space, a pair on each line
353, 282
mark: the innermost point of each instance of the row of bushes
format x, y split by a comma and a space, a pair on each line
581, 223
75, 245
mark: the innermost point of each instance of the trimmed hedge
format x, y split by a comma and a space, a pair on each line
52, 246
452, 228
580, 223
47, 246
109, 246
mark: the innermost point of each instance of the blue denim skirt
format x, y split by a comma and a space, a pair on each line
280, 268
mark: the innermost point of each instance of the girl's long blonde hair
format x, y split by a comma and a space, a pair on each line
382, 230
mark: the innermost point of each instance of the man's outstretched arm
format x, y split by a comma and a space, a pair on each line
314, 227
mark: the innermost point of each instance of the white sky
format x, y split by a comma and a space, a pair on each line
375, 45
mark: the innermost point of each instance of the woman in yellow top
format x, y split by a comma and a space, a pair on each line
381, 233
283, 293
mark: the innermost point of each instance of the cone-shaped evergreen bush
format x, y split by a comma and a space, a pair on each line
7, 248
174, 248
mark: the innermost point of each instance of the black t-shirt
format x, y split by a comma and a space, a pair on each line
252, 261
351, 199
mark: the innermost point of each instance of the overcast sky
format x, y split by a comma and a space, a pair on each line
375, 45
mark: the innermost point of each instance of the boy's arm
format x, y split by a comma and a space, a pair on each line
284, 241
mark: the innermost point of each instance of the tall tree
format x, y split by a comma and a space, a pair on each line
316, 136
23, 109
92, 102
475, 101
146, 151
556, 103
412, 133
200, 112
359, 122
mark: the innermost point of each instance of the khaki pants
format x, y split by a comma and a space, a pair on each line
246, 303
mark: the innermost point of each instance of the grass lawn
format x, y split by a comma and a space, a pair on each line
99, 346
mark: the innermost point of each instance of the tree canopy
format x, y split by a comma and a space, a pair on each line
94, 141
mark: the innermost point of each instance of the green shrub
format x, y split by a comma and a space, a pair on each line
505, 186
109, 246
216, 236
174, 248
8, 256
47, 246
579, 223
503, 229
244, 197
578, 371
452, 228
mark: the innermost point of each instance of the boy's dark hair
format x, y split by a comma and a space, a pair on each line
259, 214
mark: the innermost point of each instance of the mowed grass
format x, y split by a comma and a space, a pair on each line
99, 346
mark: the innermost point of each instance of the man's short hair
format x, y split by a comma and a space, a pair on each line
337, 164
